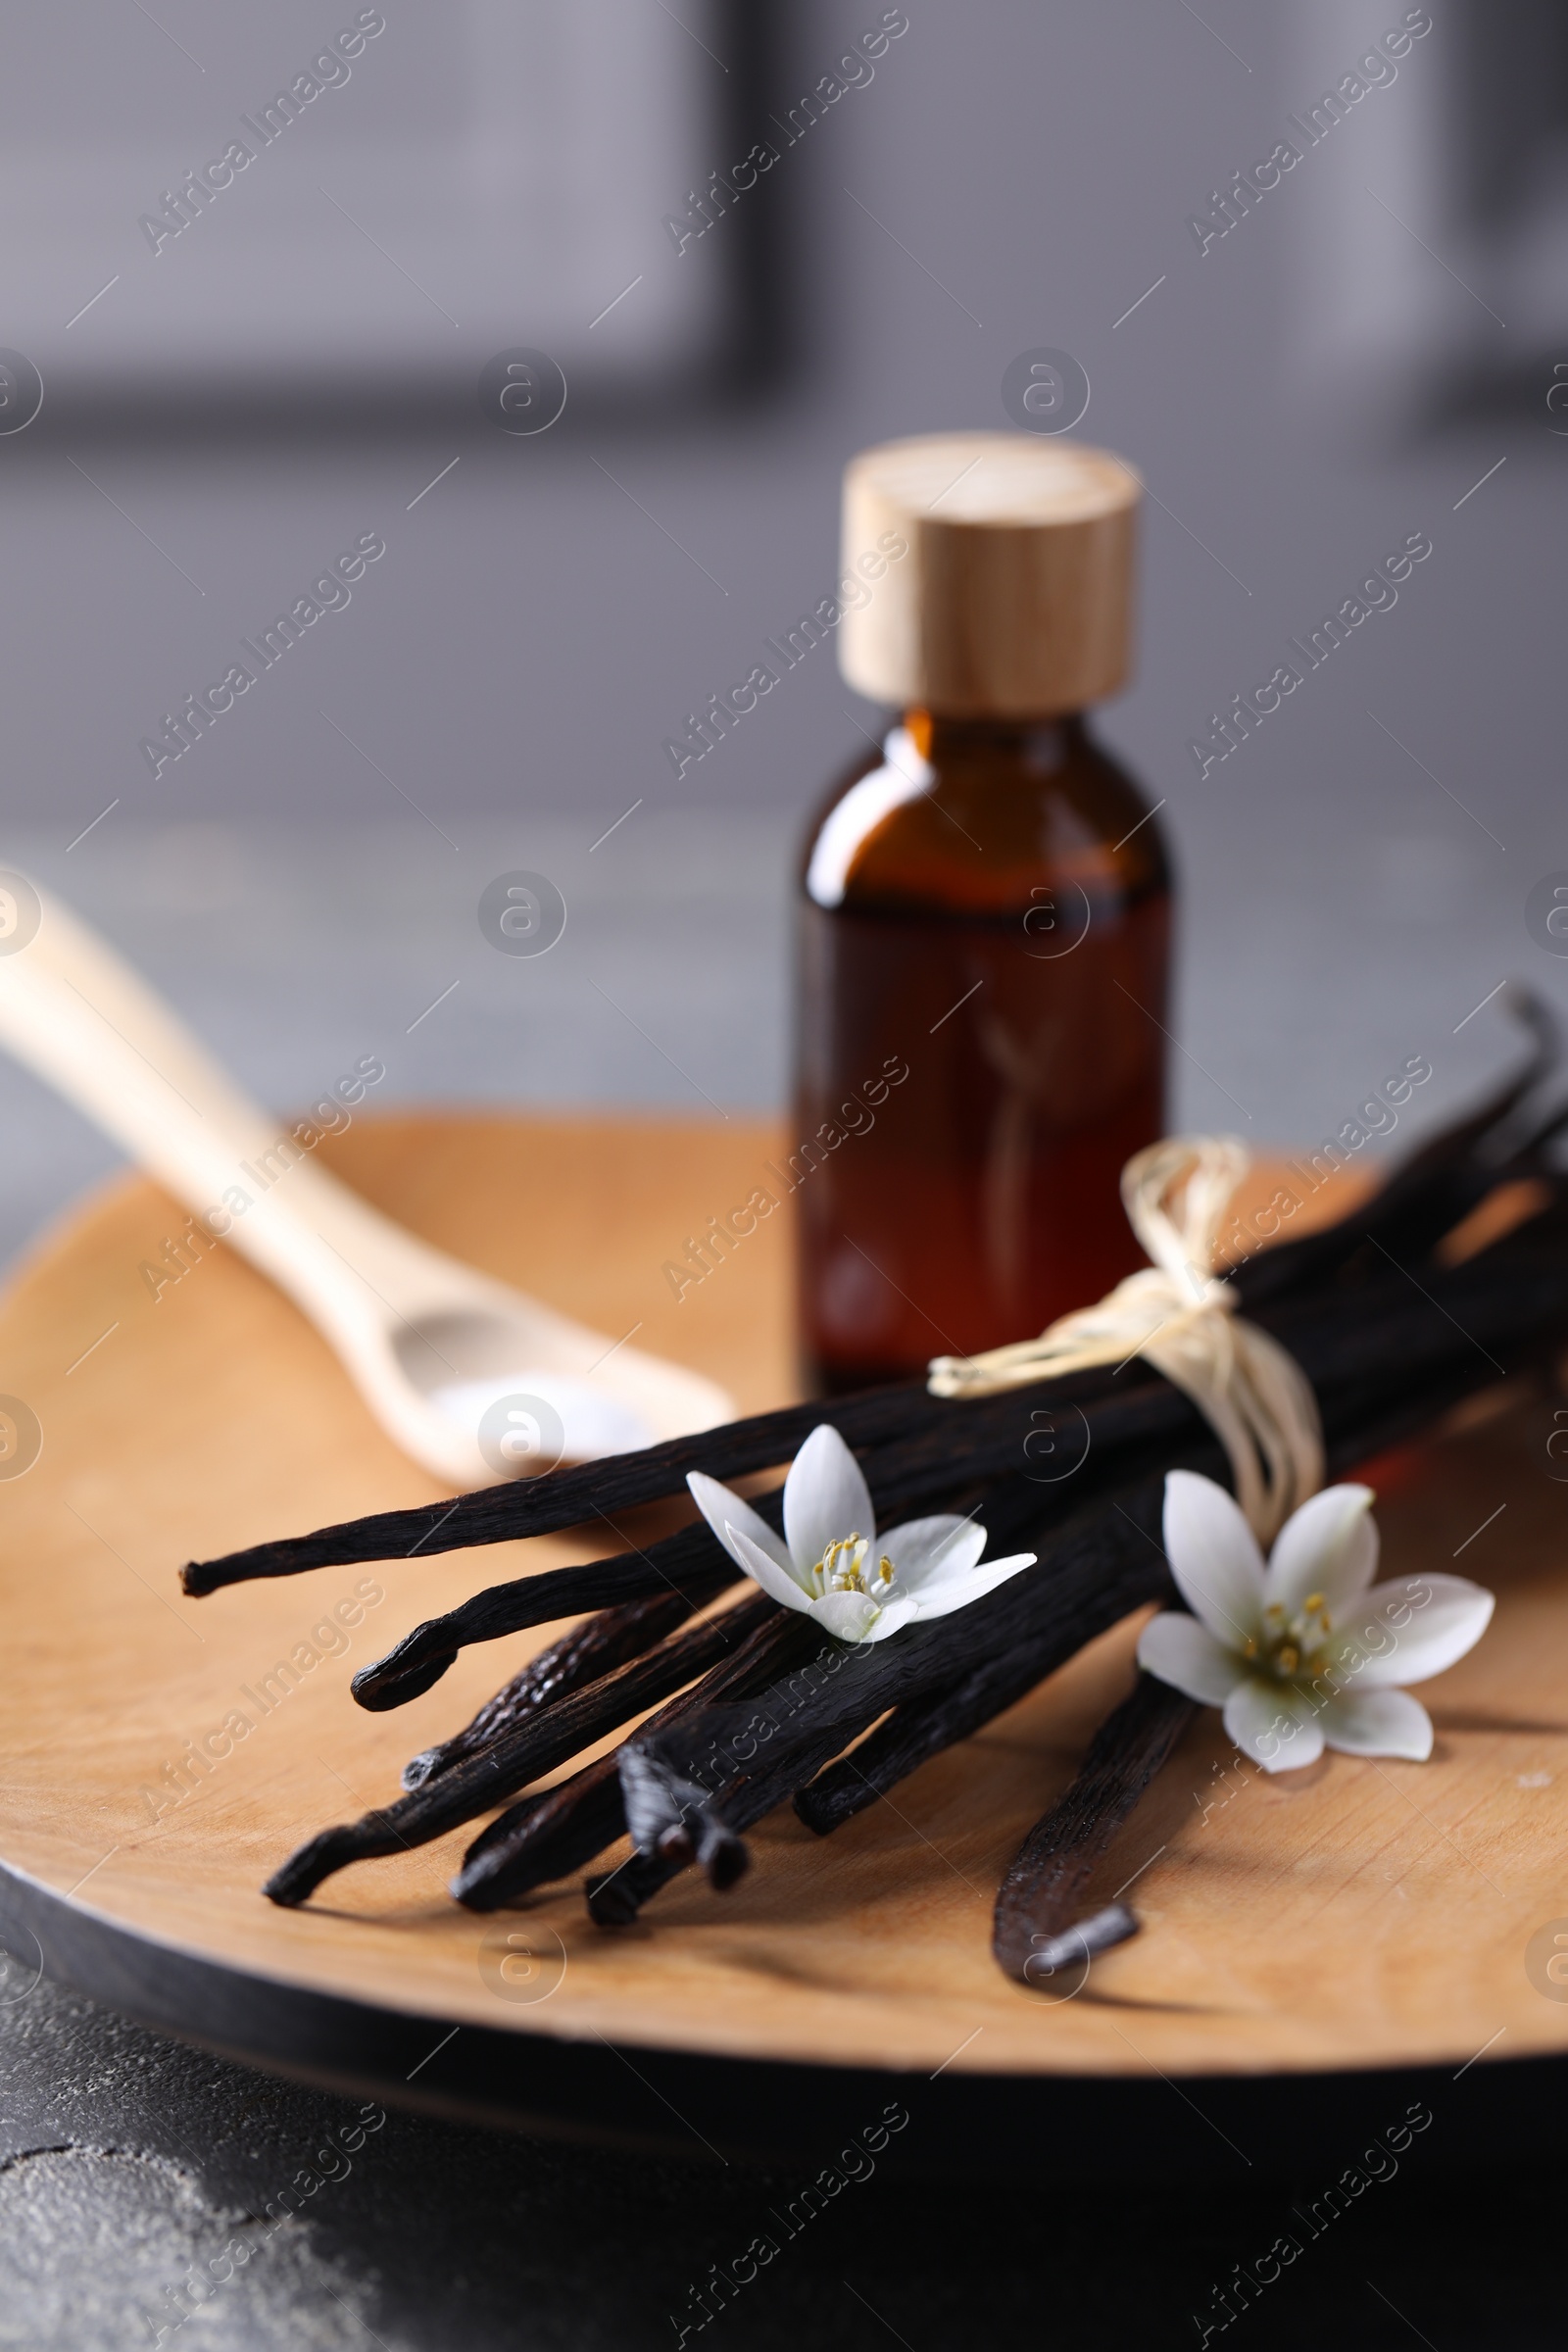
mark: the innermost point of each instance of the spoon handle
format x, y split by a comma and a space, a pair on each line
83, 1021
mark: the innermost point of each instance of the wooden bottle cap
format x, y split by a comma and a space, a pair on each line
1013, 597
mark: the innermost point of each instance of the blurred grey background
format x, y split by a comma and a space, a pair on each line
1367, 352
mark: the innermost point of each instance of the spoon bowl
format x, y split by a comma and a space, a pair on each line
474, 1380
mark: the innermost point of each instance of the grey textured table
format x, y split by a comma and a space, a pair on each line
132, 2164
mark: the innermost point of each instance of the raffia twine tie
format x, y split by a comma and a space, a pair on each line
1180, 1316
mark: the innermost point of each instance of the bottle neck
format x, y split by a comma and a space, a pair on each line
1036, 742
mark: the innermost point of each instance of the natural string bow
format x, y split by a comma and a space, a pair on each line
1180, 1316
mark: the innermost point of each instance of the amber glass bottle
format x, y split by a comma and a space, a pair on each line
985, 921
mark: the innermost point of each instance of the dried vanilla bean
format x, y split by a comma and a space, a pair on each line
1091, 1545
920, 1729
569, 1497
1035, 1932
1378, 1323
1082, 1584
689, 1787
551, 1835
595, 1648
688, 1565
924, 1473
1518, 1287
1041, 1892
1494, 1301
913, 1732
1037, 1929
526, 1752
559, 1831
1431, 1189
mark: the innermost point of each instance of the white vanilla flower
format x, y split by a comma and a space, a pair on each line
1306, 1652
833, 1565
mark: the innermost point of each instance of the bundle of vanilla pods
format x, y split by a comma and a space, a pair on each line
1395, 1313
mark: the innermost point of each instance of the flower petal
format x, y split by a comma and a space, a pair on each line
1330, 1545
931, 1552
1213, 1556
1410, 1628
894, 1613
779, 1583
725, 1511
847, 1616
1379, 1723
957, 1591
1176, 1649
1274, 1725
825, 1498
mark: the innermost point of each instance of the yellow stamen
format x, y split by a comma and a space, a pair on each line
841, 1567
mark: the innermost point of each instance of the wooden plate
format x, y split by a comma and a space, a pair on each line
1376, 1933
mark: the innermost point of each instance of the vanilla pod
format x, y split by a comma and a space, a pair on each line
687, 1565
569, 1496
1513, 1296
1431, 1189
1385, 1329
527, 1752
910, 1734
1041, 1894
596, 1646
543, 1836
1036, 1909
918, 1729
722, 1768
1135, 1424
1038, 1924
557, 1831
1087, 1578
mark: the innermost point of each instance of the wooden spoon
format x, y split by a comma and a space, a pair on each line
474, 1380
